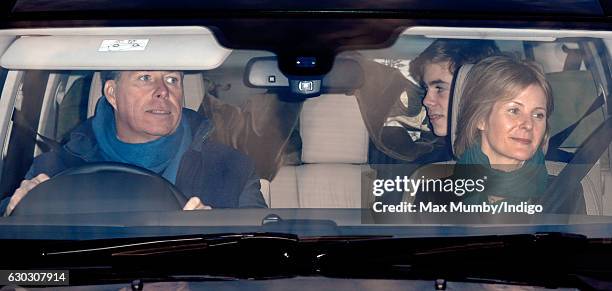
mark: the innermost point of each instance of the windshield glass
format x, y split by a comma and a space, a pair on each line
441, 127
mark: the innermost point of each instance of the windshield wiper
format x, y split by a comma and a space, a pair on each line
249, 255
544, 259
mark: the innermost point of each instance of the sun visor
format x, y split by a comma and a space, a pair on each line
115, 52
502, 33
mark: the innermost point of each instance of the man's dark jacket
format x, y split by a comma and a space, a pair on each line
219, 175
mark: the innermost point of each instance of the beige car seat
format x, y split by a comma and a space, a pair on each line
334, 156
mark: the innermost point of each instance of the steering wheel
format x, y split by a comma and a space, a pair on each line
99, 188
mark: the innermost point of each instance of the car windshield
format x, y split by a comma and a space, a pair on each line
342, 139
147, 131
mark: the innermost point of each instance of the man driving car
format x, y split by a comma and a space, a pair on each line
141, 121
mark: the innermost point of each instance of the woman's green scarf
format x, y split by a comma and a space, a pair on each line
523, 184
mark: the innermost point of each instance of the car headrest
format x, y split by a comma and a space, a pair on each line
193, 88
455, 100
95, 92
333, 130
566, 86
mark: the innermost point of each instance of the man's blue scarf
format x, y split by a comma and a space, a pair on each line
161, 156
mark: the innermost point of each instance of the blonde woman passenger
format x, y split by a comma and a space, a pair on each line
504, 114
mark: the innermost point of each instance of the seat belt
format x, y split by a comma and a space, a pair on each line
45, 143
21, 148
566, 184
573, 61
557, 140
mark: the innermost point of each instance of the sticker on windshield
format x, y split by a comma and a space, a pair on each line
123, 45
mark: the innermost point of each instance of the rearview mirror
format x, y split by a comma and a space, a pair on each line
345, 76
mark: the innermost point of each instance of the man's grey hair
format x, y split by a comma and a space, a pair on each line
114, 76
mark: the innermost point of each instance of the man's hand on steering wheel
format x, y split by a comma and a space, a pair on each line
24, 188
194, 203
